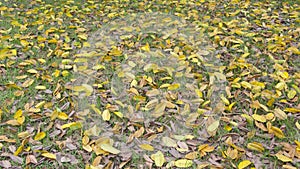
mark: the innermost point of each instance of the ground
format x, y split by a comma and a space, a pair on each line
149, 84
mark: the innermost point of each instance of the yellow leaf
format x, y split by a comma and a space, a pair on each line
40, 87
146, 48
18, 114
228, 128
280, 85
80, 60
23, 134
34, 110
264, 107
255, 146
280, 114
98, 67
292, 110
231, 105
225, 100
49, 155
109, 148
88, 89
150, 66
288, 167
259, 118
18, 93
248, 118
24, 43
208, 149
82, 36
220, 76
119, 114
85, 140
297, 125
87, 148
277, 132
214, 126
56, 73
232, 153
191, 118
33, 71
139, 132
65, 73
296, 88
174, 86
158, 158
188, 137
159, 109
62, 116
151, 104
21, 120
169, 142
294, 50
72, 124
78, 88
106, 115
284, 75
67, 125
27, 83
244, 164
19, 150
245, 55
7, 53
269, 116
255, 104
291, 94
203, 165
39, 136
164, 85
201, 147
93, 106
183, 163
283, 158
147, 147
54, 115
199, 93
192, 155
246, 85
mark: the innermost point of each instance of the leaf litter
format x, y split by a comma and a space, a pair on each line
189, 83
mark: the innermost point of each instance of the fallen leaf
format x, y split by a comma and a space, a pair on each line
283, 158
109, 148
183, 163
244, 164
259, 118
167, 141
31, 159
39, 136
158, 159
159, 110
106, 115
49, 155
280, 114
277, 132
214, 126
147, 147
255, 146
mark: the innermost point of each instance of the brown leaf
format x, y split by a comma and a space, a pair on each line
31, 159
5, 164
